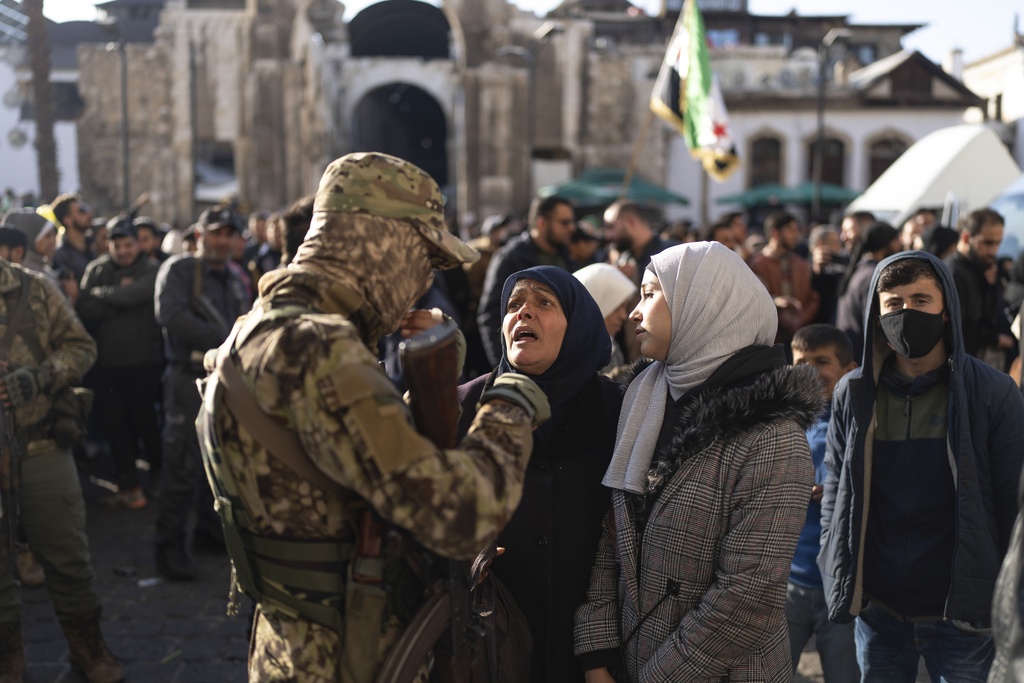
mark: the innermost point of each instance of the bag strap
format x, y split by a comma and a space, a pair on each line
280, 442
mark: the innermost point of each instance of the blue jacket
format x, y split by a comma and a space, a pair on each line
985, 438
803, 571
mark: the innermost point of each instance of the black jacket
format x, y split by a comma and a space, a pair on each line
520, 253
120, 316
981, 305
186, 329
851, 305
552, 538
985, 444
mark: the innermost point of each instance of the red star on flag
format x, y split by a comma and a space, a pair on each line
719, 130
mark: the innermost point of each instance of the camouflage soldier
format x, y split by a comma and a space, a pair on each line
307, 356
48, 351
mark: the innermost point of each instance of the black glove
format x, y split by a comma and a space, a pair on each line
27, 382
522, 391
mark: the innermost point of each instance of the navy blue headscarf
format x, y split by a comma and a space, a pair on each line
586, 347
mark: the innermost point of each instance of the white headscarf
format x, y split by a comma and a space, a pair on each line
718, 307
606, 283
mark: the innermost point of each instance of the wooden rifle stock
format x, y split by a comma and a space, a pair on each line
430, 365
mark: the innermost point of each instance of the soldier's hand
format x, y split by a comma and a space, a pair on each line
420, 320
523, 392
24, 384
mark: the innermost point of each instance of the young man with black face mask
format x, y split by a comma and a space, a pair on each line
924, 454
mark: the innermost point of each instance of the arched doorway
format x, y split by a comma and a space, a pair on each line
400, 28
405, 121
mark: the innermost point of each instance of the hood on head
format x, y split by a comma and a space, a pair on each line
382, 260
876, 349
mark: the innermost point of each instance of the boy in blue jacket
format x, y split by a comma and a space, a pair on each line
827, 349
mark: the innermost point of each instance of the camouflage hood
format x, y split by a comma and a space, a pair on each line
371, 269
378, 230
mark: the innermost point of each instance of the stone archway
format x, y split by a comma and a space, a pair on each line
406, 121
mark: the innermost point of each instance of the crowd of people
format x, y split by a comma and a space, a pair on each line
679, 453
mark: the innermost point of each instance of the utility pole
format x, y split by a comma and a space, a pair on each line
42, 100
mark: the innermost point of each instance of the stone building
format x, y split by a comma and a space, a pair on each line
494, 102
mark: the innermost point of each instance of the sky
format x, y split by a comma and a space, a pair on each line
985, 27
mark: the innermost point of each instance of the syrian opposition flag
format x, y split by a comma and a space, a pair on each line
688, 97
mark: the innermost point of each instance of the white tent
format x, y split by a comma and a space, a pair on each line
969, 161
1010, 204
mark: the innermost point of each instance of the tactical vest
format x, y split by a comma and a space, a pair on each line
297, 579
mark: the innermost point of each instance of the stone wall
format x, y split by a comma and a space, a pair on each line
150, 129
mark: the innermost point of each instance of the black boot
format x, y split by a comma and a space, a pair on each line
12, 656
174, 563
89, 653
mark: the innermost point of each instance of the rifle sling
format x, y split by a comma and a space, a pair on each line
280, 442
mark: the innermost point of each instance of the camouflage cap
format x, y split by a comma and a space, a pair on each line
382, 185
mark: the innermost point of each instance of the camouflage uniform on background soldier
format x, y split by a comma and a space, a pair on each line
48, 353
307, 355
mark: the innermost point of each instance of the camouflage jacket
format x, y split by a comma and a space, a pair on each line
314, 374
68, 348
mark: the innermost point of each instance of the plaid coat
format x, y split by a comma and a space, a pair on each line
700, 596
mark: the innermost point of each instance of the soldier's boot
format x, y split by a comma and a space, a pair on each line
89, 653
12, 656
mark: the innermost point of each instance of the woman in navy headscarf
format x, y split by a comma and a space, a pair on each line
553, 331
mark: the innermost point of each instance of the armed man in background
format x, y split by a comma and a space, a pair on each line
197, 300
326, 440
44, 351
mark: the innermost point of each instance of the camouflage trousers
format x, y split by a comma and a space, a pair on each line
298, 651
53, 518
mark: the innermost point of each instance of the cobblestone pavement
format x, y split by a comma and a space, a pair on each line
162, 633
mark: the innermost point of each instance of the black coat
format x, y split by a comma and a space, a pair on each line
120, 316
851, 305
552, 538
981, 305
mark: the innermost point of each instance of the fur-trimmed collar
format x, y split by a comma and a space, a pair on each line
787, 392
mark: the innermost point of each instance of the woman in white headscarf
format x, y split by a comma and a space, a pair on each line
614, 294
710, 482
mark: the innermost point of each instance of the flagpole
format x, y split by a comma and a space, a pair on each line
634, 157
705, 191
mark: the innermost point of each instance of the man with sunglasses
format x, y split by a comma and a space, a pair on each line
197, 299
73, 249
545, 243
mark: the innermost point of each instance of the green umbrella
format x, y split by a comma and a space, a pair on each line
830, 194
604, 186
769, 194
776, 195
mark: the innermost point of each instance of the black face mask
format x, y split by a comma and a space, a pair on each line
913, 334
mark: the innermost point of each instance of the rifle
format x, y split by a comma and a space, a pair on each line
10, 480
204, 308
442, 624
